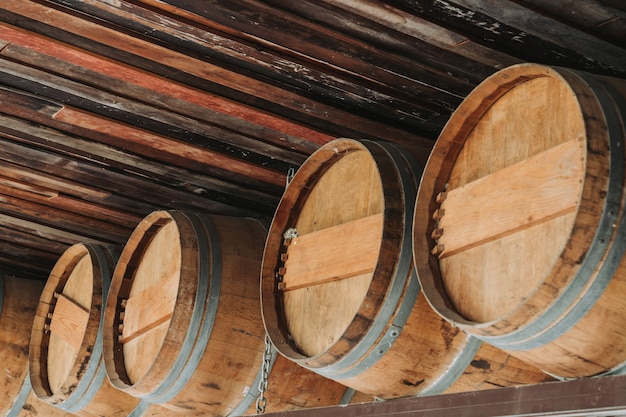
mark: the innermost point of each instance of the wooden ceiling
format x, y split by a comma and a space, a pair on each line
112, 109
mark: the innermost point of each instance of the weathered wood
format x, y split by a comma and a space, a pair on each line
501, 28
334, 253
137, 177
47, 215
162, 60
421, 29
585, 397
143, 142
151, 118
550, 30
338, 87
122, 147
375, 24
45, 180
593, 16
44, 52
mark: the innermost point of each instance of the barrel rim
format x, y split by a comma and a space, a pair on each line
72, 387
308, 174
440, 163
181, 315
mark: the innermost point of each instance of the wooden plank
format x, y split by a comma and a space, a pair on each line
419, 102
517, 197
428, 32
514, 30
334, 253
344, 79
85, 226
375, 24
603, 396
46, 180
40, 229
150, 308
266, 138
69, 321
24, 186
141, 141
117, 78
72, 205
595, 17
180, 162
198, 73
151, 118
127, 174
549, 30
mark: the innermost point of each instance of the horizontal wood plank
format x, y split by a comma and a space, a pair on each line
517, 197
337, 252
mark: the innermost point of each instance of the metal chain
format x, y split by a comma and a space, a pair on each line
261, 401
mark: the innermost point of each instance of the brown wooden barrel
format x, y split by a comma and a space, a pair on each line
519, 224
339, 291
66, 366
183, 325
18, 303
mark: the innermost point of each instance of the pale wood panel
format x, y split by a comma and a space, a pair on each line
478, 300
161, 298
62, 353
333, 253
350, 189
535, 116
69, 321
141, 351
504, 202
160, 268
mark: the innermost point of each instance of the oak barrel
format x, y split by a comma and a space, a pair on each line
183, 326
525, 249
339, 291
18, 303
66, 366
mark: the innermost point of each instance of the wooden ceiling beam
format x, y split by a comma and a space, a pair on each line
200, 73
605, 396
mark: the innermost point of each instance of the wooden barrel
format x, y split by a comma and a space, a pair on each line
339, 291
519, 224
66, 366
18, 303
183, 325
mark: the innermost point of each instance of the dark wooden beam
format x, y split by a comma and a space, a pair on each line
602, 396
